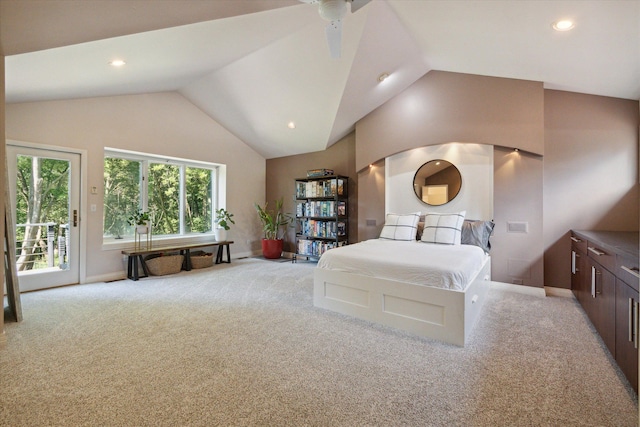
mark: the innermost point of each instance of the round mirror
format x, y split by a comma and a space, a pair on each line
437, 182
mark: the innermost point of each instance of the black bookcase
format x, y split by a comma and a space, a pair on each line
322, 215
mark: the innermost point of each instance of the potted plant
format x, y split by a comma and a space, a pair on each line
140, 219
274, 222
223, 219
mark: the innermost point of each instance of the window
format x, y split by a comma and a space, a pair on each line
181, 195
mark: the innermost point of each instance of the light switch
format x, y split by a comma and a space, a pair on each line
94, 190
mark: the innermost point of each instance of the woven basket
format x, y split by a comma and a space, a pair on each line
168, 264
203, 260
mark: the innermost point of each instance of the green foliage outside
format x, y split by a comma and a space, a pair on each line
199, 200
42, 196
122, 197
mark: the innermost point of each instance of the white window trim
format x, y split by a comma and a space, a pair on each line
219, 182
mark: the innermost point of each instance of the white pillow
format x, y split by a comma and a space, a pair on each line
443, 228
400, 226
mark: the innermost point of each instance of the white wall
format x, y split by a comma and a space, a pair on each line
161, 123
475, 162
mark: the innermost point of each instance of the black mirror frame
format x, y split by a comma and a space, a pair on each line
437, 165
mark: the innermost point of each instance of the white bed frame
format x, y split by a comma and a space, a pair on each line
443, 314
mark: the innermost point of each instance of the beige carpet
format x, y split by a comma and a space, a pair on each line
242, 344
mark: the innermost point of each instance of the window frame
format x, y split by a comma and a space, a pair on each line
218, 196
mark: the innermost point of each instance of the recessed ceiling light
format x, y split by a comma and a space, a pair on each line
117, 63
563, 25
291, 125
382, 77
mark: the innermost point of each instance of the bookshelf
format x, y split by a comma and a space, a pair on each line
322, 215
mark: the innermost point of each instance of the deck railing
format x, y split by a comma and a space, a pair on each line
42, 245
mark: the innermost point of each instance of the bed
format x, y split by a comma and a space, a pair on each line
428, 289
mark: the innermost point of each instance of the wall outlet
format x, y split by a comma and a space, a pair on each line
517, 227
371, 223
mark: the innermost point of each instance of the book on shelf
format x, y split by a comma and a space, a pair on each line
316, 247
314, 173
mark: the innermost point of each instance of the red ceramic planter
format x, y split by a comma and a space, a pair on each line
272, 249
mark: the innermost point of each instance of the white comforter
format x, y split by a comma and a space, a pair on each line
441, 266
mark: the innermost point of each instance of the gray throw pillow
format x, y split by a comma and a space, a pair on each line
477, 233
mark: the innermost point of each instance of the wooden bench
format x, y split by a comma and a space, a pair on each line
136, 256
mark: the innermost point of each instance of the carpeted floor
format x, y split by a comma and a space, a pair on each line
241, 344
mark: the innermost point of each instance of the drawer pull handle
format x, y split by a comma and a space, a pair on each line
633, 271
636, 317
597, 252
593, 281
632, 315
576, 239
573, 262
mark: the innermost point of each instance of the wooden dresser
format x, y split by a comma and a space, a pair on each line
605, 280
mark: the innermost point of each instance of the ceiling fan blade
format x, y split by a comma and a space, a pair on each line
333, 31
357, 4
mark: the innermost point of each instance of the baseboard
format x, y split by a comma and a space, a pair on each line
247, 254
110, 277
527, 290
558, 292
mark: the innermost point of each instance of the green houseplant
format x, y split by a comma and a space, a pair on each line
140, 219
274, 223
223, 219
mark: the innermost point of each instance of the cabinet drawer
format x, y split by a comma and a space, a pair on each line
627, 270
601, 256
578, 244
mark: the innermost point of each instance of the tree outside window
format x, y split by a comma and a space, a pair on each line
179, 196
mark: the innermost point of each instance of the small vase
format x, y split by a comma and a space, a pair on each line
142, 229
220, 234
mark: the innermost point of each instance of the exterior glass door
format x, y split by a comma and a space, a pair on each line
45, 197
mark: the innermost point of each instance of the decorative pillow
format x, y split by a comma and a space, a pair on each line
445, 229
477, 233
400, 226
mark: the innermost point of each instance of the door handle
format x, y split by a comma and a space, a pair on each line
75, 217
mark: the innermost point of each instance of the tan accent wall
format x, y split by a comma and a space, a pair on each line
162, 124
450, 107
590, 172
283, 171
587, 179
516, 257
371, 200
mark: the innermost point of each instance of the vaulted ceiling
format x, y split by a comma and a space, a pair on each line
255, 66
